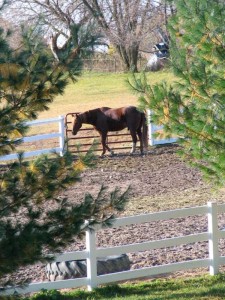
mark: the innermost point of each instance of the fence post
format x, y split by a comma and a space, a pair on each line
92, 259
213, 238
150, 128
62, 134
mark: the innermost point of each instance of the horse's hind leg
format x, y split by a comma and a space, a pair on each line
139, 133
134, 139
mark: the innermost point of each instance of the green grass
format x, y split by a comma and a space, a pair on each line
94, 90
205, 287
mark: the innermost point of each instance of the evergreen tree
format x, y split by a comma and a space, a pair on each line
33, 215
193, 108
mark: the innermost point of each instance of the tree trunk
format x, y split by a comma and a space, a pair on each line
129, 57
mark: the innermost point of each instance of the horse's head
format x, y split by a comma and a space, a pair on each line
77, 123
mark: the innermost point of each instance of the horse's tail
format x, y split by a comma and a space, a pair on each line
145, 131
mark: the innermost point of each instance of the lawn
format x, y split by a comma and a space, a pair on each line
94, 90
204, 288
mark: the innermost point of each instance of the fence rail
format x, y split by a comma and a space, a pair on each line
110, 64
212, 235
60, 135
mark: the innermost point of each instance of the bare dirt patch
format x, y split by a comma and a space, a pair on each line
159, 180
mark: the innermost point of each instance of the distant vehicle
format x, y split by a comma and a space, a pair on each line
161, 50
157, 60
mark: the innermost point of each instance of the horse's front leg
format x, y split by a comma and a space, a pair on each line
104, 145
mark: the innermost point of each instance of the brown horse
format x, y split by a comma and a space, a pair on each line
107, 119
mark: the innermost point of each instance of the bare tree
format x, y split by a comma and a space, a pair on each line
59, 21
124, 23
53, 16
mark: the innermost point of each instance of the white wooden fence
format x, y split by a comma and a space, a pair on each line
153, 141
152, 128
34, 138
212, 235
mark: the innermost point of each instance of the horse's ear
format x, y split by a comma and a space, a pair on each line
74, 115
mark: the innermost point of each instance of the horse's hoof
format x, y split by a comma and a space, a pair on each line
112, 153
144, 153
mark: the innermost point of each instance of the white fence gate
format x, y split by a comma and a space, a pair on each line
152, 128
212, 235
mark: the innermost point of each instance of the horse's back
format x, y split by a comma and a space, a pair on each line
103, 109
122, 117
133, 116
131, 110
121, 112
116, 112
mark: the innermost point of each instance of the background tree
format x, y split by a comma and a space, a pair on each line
126, 25
193, 108
33, 214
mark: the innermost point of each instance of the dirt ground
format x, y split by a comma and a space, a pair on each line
159, 181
